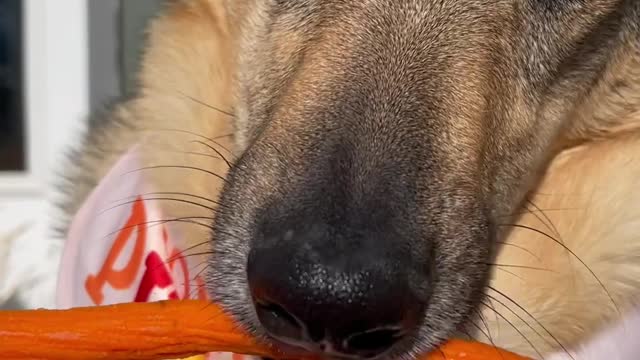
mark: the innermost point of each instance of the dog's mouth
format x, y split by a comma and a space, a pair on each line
325, 350
370, 344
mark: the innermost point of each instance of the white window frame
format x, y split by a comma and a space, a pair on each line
56, 79
56, 108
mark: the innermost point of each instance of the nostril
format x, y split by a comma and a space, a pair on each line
278, 321
373, 342
342, 305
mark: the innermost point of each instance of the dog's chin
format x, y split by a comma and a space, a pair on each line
291, 351
425, 339
407, 349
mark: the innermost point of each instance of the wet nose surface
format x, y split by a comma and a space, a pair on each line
354, 304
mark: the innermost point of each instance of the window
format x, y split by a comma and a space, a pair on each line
12, 121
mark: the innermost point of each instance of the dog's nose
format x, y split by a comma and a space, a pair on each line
343, 302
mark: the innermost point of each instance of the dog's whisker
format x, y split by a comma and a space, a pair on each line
486, 326
152, 223
533, 347
544, 219
214, 150
198, 254
153, 193
604, 288
162, 148
170, 261
497, 320
552, 227
521, 248
160, 199
508, 298
480, 330
224, 112
519, 267
183, 131
511, 273
488, 333
183, 251
179, 167
529, 211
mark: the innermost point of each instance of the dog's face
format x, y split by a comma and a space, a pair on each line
381, 144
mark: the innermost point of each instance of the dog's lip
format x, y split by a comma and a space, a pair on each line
288, 351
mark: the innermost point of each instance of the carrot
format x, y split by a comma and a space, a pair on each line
155, 331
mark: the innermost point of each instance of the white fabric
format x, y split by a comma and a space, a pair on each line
120, 250
28, 265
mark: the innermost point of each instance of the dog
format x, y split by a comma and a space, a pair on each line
389, 174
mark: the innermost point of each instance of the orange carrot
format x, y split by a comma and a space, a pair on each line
155, 331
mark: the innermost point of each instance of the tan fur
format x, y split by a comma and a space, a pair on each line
588, 201
185, 68
589, 193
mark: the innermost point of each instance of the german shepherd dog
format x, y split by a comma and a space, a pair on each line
390, 174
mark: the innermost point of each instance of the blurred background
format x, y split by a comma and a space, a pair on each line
60, 60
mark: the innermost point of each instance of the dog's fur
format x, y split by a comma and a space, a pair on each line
503, 134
